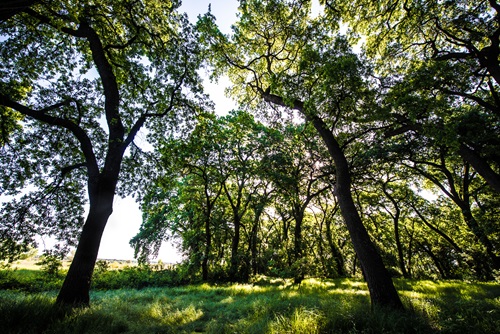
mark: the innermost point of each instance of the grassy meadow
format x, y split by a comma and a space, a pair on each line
265, 306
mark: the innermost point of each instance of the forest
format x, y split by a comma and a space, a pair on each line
365, 148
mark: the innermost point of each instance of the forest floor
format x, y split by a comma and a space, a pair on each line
266, 306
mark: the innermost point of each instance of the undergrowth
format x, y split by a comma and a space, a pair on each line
266, 306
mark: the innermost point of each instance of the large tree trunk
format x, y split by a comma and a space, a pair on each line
76, 286
380, 285
481, 166
382, 290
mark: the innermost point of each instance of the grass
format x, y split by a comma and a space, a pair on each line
267, 306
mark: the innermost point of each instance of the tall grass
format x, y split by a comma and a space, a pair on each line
316, 306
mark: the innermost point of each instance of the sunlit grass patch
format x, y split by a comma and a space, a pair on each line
183, 316
301, 321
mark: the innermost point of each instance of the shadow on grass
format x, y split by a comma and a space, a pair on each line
316, 306
455, 306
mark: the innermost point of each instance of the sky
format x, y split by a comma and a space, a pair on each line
126, 219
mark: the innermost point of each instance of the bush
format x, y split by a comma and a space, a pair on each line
28, 280
137, 277
51, 265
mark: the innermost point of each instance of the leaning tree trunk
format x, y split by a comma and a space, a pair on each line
76, 286
481, 166
380, 285
382, 290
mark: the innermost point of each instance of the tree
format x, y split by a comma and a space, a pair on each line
246, 142
456, 181
455, 47
218, 164
279, 55
183, 198
93, 75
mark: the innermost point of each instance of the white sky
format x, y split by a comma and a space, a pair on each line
126, 219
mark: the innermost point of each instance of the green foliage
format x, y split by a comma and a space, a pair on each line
29, 280
137, 277
51, 265
270, 306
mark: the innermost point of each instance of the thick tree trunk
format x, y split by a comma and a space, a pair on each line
380, 285
76, 286
481, 166
382, 290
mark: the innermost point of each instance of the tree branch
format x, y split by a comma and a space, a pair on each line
9, 8
78, 132
46, 20
67, 169
109, 82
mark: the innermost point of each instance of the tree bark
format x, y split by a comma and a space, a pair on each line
76, 286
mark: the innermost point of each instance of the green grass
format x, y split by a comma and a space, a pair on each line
317, 306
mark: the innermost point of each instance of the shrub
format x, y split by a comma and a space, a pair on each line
136, 277
51, 265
